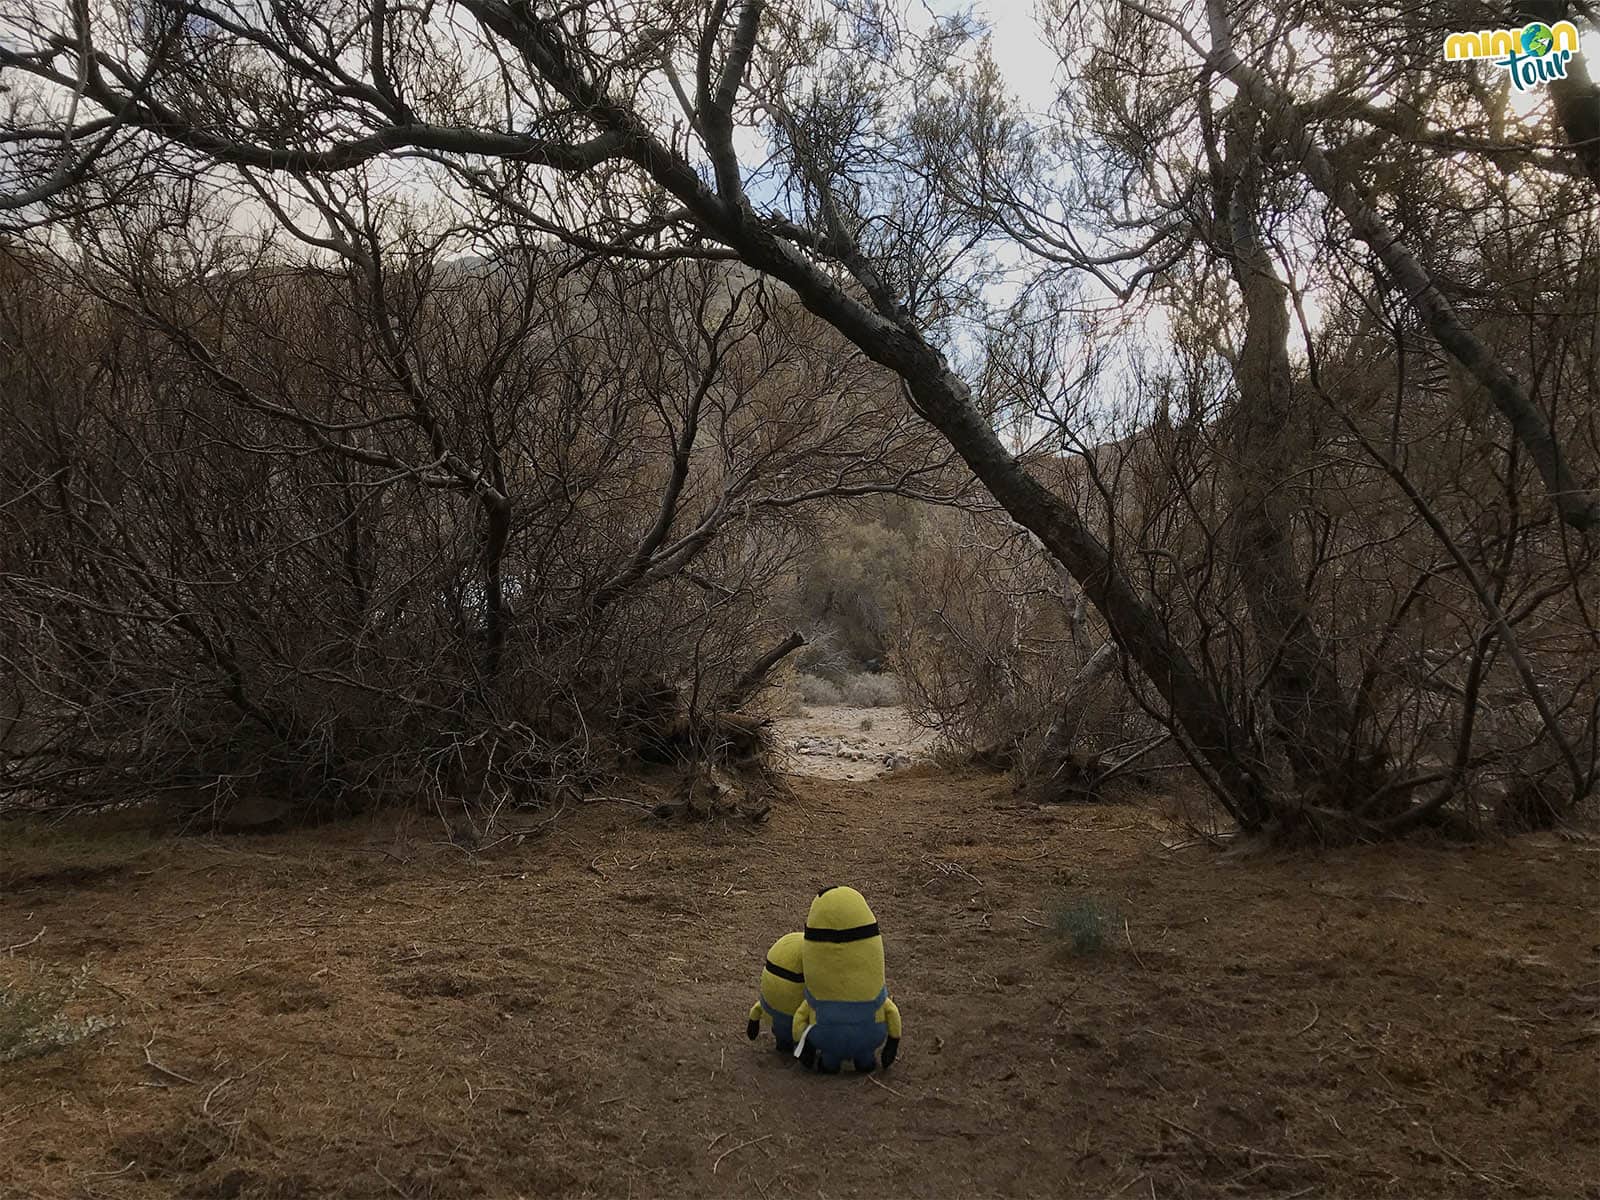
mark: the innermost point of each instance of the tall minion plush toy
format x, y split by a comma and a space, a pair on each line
783, 988
846, 1012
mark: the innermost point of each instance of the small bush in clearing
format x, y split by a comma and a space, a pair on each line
816, 690
870, 691
1083, 924
33, 1020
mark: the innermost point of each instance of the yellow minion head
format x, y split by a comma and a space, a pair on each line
783, 981
843, 949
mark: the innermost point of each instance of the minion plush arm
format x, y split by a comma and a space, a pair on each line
804, 1016
891, 1018
753, 1030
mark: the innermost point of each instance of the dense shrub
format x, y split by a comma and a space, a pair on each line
480, 531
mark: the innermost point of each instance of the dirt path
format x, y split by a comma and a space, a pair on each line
565, 1017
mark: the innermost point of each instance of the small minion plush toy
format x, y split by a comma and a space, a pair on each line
846, 1012
782, 988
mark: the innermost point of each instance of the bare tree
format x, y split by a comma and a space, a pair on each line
868, 167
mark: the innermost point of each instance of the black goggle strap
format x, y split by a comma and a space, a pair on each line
859, 933
785, 973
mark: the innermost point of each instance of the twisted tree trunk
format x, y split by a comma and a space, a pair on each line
1314, 720
1057, 748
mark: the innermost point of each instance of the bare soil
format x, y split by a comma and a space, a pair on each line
364, 1011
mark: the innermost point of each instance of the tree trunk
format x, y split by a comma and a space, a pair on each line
1062, 735
497, 514
1312, 717
943, 399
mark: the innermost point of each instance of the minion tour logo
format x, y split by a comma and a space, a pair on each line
1532, 55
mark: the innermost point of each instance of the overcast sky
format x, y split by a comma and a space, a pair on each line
1020, 50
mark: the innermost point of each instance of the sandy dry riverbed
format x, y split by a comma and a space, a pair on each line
840, 741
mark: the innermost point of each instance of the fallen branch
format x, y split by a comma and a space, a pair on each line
886, 1087
205, 1105
740, 1146
167, 1071
752, 679
29, 942
1242, 1149
1316, 1015
619, 800
1128, 933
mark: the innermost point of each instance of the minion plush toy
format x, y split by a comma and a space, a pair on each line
783, 987
846, 1012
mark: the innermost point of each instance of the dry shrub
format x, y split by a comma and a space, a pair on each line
848, 582
481, 534
991, 636
814, 689
863, 690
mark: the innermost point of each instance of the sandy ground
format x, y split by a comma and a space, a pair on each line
839, 741
365, 1011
